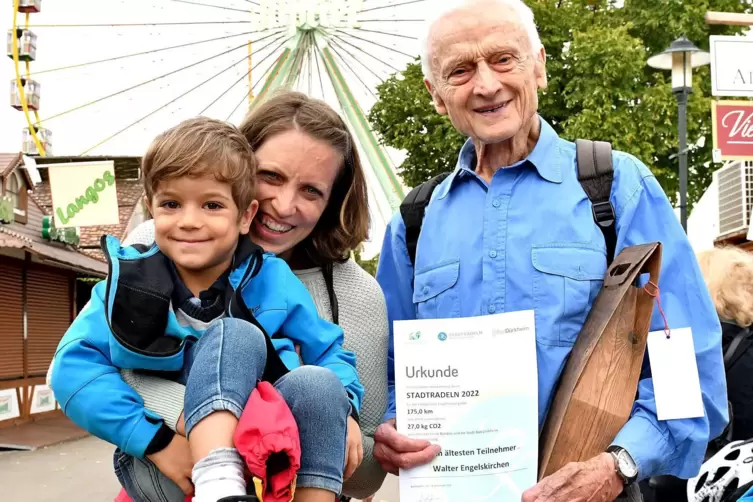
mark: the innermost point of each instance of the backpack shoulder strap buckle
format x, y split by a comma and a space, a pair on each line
595, 174
603, 213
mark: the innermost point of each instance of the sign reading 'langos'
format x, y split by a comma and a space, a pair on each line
84, 194
732, 123
731, 66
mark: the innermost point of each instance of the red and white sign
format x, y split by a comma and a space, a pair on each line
733, 130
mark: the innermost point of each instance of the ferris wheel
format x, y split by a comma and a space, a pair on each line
108, 76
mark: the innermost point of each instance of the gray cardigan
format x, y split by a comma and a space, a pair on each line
363, 318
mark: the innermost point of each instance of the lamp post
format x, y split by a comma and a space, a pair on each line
681, 57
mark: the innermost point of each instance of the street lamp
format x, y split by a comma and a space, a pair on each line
681, 57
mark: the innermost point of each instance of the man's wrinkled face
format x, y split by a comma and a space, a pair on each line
485, 73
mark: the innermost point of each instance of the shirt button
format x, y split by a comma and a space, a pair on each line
426, 290
492, 309
496, 203
493, 253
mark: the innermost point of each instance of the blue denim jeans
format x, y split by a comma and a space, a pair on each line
220, 371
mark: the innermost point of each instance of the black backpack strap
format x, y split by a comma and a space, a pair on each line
736, 347
329, 281
595, 174
413, 208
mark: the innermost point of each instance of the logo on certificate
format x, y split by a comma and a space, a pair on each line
442, 336
415, 335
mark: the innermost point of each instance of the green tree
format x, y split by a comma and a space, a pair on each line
599, 88
369, 266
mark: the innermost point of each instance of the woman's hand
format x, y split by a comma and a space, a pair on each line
353, 449
176, 462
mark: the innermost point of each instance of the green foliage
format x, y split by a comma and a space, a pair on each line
369, 266
405, 118
6, 210
600, 87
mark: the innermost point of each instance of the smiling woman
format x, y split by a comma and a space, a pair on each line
313, 213
296, 175
313, 206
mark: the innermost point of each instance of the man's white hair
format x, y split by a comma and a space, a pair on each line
447, 6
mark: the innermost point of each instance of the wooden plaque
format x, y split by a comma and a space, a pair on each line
598, 386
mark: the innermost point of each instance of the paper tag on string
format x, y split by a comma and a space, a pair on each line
677, 387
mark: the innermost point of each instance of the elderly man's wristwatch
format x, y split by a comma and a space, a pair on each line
626, 466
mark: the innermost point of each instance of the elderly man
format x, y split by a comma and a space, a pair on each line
504, 231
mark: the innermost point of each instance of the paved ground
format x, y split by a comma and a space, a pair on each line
79, 471
76, 471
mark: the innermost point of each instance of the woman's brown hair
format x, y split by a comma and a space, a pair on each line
344, 224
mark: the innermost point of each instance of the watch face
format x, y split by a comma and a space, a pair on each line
626, 465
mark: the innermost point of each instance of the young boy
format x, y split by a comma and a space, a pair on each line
200, 307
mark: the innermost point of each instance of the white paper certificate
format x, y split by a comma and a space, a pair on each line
471, 386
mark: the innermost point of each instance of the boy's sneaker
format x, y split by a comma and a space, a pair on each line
239, 498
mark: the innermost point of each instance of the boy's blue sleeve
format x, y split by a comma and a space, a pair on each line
321, 341
91, 391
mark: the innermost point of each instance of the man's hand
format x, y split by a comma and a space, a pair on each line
595, 480
353, 449
394, 451
176, 462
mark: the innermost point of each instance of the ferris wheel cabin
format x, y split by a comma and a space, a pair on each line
24, 91
27, 44
31, 93
29, 146
30, 6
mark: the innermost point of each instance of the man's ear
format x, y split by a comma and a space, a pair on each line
540, 70
436, 98
247, 216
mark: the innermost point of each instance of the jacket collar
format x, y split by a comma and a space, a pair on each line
245, 250
140, 287
545, 158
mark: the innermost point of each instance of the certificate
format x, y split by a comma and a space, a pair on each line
469, 385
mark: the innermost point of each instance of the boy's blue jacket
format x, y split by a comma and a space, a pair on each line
129, 324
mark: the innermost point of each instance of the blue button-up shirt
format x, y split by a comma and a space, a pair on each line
527, 240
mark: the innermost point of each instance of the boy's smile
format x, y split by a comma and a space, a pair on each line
196, 225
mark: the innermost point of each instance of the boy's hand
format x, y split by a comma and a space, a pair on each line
353, 449
176, 462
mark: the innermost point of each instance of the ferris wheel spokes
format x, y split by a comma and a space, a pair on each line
149, 81
162, 107
391, 5
144, 53
190, 2
245, 76
336, 50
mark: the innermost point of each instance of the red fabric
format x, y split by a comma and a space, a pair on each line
123, 497
267, 427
